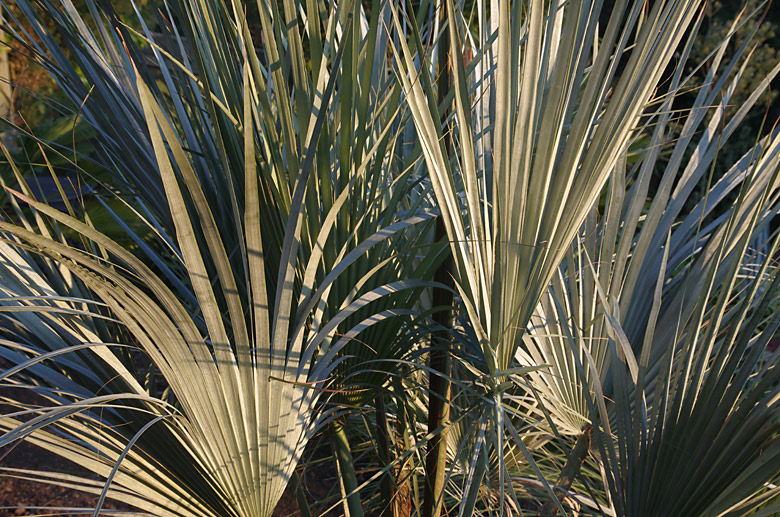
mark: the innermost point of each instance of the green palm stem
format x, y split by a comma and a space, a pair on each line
408, 497
354, 505
472, 491
569, 471
386, 487
439, 360
300, 495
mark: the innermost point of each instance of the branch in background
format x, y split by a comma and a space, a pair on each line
570, 471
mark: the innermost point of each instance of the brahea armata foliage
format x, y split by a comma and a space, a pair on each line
245, 293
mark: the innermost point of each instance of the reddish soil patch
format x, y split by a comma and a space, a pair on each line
21, 496
30, 496
27, 495
24, 497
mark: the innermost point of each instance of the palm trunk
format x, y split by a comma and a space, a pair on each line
439, 362
353, 506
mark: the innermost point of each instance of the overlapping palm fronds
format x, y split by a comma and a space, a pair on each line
563, 118
657, 320
516, 190
621, 246
288, 159
286, 233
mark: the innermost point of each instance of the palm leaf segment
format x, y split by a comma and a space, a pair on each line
277, 281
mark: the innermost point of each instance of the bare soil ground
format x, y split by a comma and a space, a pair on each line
30, 496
